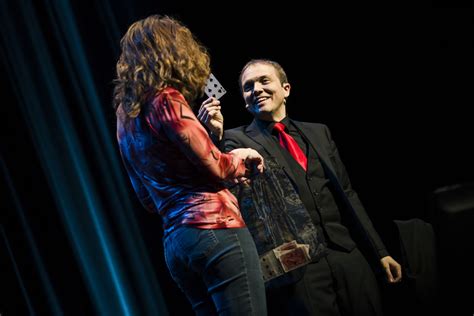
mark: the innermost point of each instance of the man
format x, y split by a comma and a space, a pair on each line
341, 282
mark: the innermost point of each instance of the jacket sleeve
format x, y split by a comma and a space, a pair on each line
229, 142
172, 115
343, 177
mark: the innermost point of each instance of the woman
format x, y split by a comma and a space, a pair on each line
178, 173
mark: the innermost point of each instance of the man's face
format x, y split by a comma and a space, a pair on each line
263, 92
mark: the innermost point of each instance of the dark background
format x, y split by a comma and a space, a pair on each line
392, 82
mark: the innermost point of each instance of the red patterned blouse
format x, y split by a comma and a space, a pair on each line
175, 168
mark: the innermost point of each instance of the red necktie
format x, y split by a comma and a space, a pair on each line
288, 142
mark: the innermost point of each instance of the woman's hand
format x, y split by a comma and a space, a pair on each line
254, 162
210, 115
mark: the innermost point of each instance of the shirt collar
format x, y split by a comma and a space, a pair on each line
268, 125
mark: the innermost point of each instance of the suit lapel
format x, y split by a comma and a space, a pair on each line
264, 139
321, 151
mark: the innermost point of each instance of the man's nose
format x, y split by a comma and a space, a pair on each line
257, 88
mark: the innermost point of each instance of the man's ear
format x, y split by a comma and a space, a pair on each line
287, 87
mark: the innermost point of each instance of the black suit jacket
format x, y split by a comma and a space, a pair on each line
319, 138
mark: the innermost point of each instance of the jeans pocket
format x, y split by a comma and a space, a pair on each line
194, 242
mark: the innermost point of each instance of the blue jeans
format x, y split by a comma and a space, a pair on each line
217, 269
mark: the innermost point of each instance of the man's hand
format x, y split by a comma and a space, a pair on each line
393, 270
210, 115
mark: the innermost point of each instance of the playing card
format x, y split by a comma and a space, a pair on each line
288, 246
284, 258
271, 266
285, 247
294, 258
214, 88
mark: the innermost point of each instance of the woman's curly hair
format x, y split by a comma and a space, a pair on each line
157, 52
